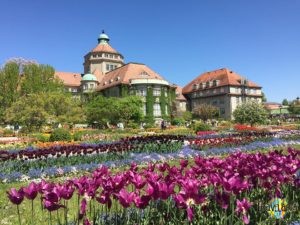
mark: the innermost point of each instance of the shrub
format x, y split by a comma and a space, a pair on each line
201, 127
60, 135
8, 133
177, 121
41, 137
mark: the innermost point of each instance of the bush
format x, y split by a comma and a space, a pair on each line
177, 121
8, 133
60, 135
201, 127
41, 137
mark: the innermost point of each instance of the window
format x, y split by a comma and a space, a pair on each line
156, 91
107, 67
116, 66
156, 109
221, 101
116, 56
222, 111
91, 86
74, 89
110, 56
236, 90
141, 92
111, 67
215, 102
222, 90
215, 91
106, 55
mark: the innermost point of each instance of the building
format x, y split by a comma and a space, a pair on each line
276, 109
222, 88
181, 102
105, 72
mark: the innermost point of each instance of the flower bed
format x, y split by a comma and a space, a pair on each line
213, 190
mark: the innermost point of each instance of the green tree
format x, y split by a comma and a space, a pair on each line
39, 79
28, 111
129, 108
285, 102
101, 110
294, 107
250, 112
35, 110
9, 84
205, 112
263, 98
63, 108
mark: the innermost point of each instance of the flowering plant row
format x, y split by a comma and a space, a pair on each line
54, 167
229, 190
126, 144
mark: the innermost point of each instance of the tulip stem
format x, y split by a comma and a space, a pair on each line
32, 211
19, 214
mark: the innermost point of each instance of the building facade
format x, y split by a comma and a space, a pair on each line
223, 89
105, 72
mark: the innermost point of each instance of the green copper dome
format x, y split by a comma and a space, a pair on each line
103, 38
89, 77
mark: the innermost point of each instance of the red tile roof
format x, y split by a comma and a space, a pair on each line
224, 76
69, 78
124, 74
99, 75
179, 95
104, 48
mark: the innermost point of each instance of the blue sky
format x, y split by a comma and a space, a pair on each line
178, 39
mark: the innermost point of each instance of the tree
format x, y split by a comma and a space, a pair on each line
263, 98
101, 110
28, 111
63, 108
205, 112
39, 79
250, 112
129, 108
9, 84
294, 107
285, 102
35, 110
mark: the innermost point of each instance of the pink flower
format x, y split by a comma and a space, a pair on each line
125, 198
242, 208
16, 197
31, 191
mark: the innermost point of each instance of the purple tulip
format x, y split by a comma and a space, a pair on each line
86, 222
51, 206
16, 197
243, 206
31, 191
125, 198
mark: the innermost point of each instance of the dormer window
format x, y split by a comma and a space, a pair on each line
144, 73
118, 78
207, 84
201, 85
194, 86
